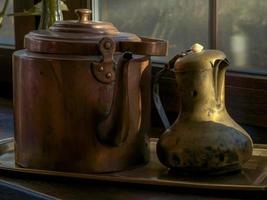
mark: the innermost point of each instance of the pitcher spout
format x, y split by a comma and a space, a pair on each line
220, 66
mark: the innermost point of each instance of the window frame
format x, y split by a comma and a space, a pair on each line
241, 83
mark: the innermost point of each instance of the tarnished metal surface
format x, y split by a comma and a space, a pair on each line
252, 177
82, 97
204, 138
64, 115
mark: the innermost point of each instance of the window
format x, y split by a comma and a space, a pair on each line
242, 34
170, 20
240, 26
11, 37
6, 23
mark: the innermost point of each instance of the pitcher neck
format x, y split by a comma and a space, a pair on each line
207, 109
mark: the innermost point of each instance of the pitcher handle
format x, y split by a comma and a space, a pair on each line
156, 96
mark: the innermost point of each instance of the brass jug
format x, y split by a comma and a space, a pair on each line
204, 138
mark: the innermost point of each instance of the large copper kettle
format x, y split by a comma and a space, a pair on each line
204, 138
81, 97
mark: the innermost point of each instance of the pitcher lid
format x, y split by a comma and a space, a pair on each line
75, 36
198, 59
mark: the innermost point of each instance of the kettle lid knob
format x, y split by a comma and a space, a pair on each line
84, 15
195, 48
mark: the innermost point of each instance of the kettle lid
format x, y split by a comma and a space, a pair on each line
79, 37
198, 59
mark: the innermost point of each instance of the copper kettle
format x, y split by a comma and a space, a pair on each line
204, 138
81, 97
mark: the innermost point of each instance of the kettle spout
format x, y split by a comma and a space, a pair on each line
220, 66
113, 129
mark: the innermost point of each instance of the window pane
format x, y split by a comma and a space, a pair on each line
243, 32
7, 28
181, 22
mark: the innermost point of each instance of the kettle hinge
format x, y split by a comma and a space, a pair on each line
105, 71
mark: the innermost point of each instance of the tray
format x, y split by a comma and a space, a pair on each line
252, 177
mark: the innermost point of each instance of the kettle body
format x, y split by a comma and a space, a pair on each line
57, 105
204, 138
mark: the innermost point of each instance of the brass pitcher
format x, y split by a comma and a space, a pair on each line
204, 138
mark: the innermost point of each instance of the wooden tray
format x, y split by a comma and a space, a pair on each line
253, 176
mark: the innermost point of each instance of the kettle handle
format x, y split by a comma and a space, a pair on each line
147, 46
156, 96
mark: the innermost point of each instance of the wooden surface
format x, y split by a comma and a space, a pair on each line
77, 189
11, 191
6, 119
66, 188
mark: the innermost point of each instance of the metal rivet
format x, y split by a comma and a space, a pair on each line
109, 75
101, 68
107, 45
